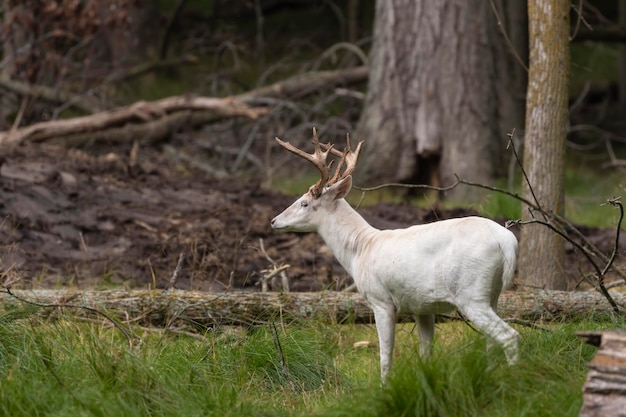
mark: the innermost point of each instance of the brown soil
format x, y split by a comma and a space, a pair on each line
89, 219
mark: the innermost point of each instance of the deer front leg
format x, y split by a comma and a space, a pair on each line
425, 332
385, 316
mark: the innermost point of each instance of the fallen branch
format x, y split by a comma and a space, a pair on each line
304, 84
159, 307
156, 120
136, 114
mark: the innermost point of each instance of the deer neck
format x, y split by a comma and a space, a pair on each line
347, 234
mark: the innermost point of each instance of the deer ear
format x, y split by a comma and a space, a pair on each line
340, 189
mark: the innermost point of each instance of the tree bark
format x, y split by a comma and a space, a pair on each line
542, 253
604, 392
160, 307
435, 99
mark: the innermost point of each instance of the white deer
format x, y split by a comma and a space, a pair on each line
424, 269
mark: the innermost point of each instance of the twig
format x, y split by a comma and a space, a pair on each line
615, 202
168, 28
511, 144
269, 274
18, 119
458, 182
506, 36
581, 98
9, 277
281, 356
179, 266
244, 150
526, 323
579, 19
227, 46
341, 45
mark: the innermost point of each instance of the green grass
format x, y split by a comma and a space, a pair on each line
61, 367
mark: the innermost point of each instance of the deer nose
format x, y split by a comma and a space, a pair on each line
273, 221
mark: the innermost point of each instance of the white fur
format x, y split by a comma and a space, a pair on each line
425, 269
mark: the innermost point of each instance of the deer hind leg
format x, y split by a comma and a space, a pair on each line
485, 319
385, 316
425, 331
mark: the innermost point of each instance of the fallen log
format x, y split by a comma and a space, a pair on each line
138, 113
155, 120
161, 307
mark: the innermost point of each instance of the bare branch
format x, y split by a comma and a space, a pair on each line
269, 274
179, 266
506, 36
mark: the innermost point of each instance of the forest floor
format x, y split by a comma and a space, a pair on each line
93, 218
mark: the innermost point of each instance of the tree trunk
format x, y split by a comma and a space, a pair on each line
434, 103
158, 307
542, 253
604, 392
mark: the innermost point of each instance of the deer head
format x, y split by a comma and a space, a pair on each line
306, 213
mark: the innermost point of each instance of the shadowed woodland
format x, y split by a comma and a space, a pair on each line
96, 198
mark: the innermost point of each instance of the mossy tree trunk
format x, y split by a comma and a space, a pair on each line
442, 93
542, 253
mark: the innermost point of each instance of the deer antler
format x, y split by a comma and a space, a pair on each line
348, 156
317, 158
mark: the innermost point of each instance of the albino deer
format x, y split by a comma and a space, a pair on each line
425, 269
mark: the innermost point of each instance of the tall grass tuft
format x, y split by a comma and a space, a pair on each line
296, 360
470, 381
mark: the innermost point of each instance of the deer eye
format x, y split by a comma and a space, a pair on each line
304, 204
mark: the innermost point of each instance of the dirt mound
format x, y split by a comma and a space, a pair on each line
93, 220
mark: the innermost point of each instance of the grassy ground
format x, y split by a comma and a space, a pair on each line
66, 368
